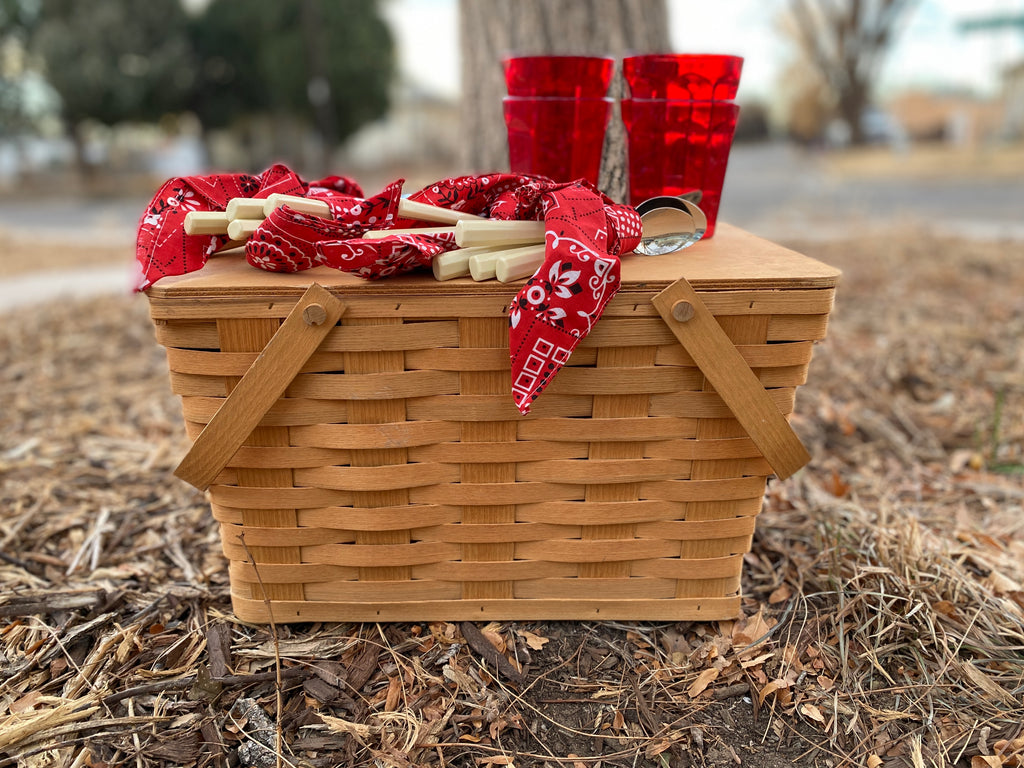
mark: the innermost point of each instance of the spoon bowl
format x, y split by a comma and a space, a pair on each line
669, 224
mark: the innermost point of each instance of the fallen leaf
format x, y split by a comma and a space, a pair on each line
536, 642
826, 682
757, 661
775, 685
986, 761
704, 679
394, 694
359, 731
874, 761
780, 594
752, 630
494, 638
836, 486
813, 712
496, 760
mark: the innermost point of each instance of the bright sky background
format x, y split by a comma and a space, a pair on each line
931, 52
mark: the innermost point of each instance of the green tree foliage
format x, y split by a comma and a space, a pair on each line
328, 61
115, 60
17, 17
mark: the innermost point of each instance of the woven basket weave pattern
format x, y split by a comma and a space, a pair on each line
396, 480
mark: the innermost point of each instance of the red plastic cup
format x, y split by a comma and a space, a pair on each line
585, 77
696, 76
561, 138
676, 147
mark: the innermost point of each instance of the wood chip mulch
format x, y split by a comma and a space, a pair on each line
884, 596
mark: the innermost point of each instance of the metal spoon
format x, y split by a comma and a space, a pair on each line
670, 224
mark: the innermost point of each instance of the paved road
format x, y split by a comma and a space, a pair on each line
782, 192
775, 191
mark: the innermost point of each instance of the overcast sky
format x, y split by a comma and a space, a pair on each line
931, 51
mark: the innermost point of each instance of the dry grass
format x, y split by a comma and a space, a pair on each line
884, 611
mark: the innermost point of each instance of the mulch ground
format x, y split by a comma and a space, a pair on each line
884, 594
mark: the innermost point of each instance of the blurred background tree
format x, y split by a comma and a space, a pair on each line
294, 69
16, 22
325, 64
114, 61
844, 44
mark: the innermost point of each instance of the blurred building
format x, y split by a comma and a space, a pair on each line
956, 118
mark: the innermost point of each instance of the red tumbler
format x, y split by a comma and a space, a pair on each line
561, 138
679, 146
585, 77
695, 76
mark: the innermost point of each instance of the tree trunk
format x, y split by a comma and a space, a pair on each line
492, 29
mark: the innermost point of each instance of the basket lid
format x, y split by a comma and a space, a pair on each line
733, 260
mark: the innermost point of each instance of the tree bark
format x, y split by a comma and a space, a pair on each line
489, 30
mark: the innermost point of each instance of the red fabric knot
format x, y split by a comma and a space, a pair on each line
162, 248
585, 233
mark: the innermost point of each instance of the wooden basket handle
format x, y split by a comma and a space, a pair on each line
299, 336
700, 334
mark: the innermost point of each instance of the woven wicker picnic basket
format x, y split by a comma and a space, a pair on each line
384, 473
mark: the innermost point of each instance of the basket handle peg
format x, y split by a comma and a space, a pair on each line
299, 336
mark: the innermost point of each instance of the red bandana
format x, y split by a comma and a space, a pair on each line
585, 232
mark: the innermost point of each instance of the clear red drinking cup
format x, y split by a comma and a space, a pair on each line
679, 146
696, 76
585, 77
561, 138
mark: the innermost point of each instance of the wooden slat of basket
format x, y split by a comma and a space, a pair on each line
411, 516
455, 359
489, 453
606, 379
709, 405
608, 430
250, 335
604, 471
600, 512
496, 533
263, 457
392, 338
286, 412
682, 609
378, 567
629, 332
750, 329
609, 588
375, 386
295, 537
726, 448
508, 571
372, 591
755, 355
594, 551
275, 497
487, 333
387, 477
704, 570
803, 327
198, 334
488, 494
405, 434
378, 557
815, 301
290, 574
726, 489
495, 407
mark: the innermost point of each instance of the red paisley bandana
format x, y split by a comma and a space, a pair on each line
585, 232
163, 249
